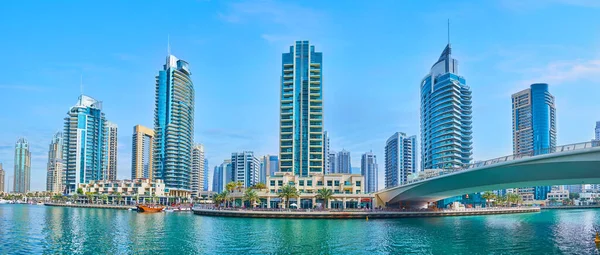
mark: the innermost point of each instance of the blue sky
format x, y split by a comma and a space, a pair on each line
375, 55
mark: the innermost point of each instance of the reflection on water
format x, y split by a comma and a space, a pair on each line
29, 229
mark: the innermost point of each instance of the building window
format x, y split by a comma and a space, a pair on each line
280, 183
357, 184
337, 191
329, 183
357, 191
301, 182
272, 183
319, 183
291, 183
309, 183
337, 183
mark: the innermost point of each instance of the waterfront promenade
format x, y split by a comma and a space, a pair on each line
357, 214
121, 207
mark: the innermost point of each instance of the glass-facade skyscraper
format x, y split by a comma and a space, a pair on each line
22, 178
84, 144
245, 167
174, 127
400, 159
534, 125
368, 169
301, 123
446, 125
344, 163
112, 144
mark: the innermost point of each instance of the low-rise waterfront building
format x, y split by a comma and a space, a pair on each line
140, 187
557, 195
348, 191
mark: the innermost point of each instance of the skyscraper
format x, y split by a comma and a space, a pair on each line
222, 175
55, 165
344, 163
206, 177
597, 131
301, 123
268, 167
141, 155
22, 182
445, 116
326, 164
332, 162
174, 127
534, 125
245, 167
2, 175
368, 169
111, 142
84, 143
197, 169
400, 159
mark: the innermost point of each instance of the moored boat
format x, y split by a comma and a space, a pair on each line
145, 208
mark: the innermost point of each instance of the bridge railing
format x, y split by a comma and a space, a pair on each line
569, 147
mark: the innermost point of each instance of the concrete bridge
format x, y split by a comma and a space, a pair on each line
562, 165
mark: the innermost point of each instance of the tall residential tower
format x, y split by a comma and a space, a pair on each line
445, 116
301, 123
111, 143
55, 165
344, 162
245, 167
141, 155
368, 169
197, 169
22, 181
174, 127
84, 144
2, 181
534, 125
400, 159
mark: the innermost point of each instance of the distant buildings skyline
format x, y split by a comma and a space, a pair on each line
197, 173
344, 162
2, 180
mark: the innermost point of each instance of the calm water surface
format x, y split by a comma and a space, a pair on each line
32, 229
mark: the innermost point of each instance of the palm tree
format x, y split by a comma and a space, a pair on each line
137, 198
488, 195
325, 194
119, 197
75, 198
79, 191
218, 199
239, 185
260, 186
251, 196
288, 192
104, 197
89, 196
230, 186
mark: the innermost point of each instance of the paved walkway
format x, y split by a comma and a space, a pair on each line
122, 207
359, 214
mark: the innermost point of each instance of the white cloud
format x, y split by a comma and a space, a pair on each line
559, 72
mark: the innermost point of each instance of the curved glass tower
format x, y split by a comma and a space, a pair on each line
446, 125
22, 182
174, 127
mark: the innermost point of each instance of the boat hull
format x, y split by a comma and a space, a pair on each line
143, 208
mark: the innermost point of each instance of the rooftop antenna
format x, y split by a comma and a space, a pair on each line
168, 44
448, 31
81, 84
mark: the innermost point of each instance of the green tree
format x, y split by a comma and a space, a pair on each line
239, 185
251, 196
260, 186
218, 199
325, 194
574, 195
288, 192
230, 186
488, 195
119, 197
79, 191
89, 196
104, 198
75, 198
